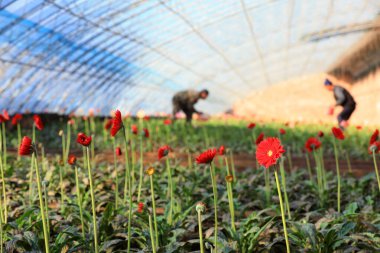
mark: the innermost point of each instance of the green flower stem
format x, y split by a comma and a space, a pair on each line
4, 191
337, 174
200, 230
116, 174
171, 191
323, 169
151, 234
92, 201
5, 146
308, 166
79, 201
319, 176
46, 207
282, 211
348, 162
376, 169
267, 187
215, 192
61, 188
189, 159
154, 209
18, 139
68, 142
1, 210
232, 165
289, 156
31, 194
141, 174
227, 166
129, 183
42, 209
1, 235
63, 149
283, 182
231, 205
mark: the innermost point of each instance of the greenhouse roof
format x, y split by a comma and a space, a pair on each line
73, 55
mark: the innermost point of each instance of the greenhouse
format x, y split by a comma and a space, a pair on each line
189, 126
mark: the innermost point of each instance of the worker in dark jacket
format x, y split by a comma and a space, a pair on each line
185, 101
343, 98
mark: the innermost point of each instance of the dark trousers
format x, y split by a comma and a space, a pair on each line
188, 113
346, 113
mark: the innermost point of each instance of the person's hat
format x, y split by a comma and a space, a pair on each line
327, 82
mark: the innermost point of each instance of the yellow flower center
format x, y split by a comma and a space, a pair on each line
270, 153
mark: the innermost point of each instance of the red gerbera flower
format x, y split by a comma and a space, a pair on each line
6, 115
134, 129
71, 122
163, 151
16, 119
140, 207
2, 119
25, 146
83, 139
206, 157
108, 124
312, 144
359, 127
38, 122
146, 118
320, 134
260, 138
118, 151
338, 133
167, 122
117, 123
251, 125
282, 131
72, 159
374, 137
146, 133
269, 151
374, 147
222, 150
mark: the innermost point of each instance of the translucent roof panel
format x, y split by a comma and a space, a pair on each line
68, 56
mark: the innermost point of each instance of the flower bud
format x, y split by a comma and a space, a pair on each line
200, 207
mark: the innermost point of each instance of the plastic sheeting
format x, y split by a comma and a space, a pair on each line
71, 56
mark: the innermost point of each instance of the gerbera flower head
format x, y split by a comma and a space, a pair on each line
16, 119
359, 127
83, 139
251, 125
206, 157
229, 178
146, 118
260, 138
312, 144
222, 150
269, 151
146, 133
150, 171
118, 151
72, 159
163, 151
374, 147
320, 134
38, 122
200, 207
71, 122
117, 123
167, 122
140, 207
108, 124
134, 129
282, 131
6, 115
26, 147
374, 136
338, 133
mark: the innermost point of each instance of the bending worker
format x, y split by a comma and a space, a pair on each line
185, 101
343, 98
